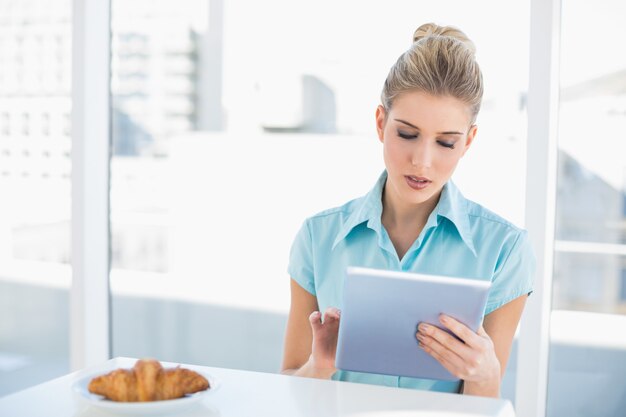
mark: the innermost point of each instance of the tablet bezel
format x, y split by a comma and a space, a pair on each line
379, 319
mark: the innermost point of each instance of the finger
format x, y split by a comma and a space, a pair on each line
333, 311
442, 351
446, 358
331, 314
315, 318
460, 330
445, 339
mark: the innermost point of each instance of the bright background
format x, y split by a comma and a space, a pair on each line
232, 123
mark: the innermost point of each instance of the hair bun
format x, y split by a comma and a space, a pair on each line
432, 29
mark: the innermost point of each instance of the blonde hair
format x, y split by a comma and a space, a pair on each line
440, 62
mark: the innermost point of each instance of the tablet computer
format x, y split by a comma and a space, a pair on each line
382, 309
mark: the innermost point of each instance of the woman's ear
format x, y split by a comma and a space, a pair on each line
381, 117
470, 138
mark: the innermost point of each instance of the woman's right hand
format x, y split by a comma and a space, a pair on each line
310, 342
325, 334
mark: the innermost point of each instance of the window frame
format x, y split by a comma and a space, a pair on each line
90, 335
541, 174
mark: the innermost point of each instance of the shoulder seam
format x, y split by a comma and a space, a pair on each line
329, 212
497, 220
347, 208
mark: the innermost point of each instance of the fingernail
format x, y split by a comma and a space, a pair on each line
443, 318
423, 327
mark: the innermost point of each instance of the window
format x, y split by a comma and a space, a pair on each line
35, 210
588, 286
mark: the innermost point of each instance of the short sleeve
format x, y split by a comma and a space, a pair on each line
301, 259
514, 276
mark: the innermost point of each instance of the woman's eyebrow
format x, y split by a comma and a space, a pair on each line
407, 123
451, 132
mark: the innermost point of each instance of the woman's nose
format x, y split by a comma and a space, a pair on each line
422, 155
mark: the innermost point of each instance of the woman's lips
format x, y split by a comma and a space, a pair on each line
417, 183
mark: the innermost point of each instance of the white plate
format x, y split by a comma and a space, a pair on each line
83, 395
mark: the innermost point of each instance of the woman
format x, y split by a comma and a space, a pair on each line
415, 219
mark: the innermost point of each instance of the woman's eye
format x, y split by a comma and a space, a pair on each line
404, 135
446, 144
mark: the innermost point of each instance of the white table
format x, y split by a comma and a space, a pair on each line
244, 393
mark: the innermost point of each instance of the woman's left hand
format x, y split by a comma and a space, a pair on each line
473, 359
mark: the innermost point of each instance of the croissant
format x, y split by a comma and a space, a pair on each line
147, 381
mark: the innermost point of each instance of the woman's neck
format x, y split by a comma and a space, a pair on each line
398, 215
404, 222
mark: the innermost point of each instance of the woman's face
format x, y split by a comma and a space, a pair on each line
423, 137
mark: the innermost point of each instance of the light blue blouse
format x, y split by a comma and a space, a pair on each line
460, 238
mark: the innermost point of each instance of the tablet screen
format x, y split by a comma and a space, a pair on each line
382, 309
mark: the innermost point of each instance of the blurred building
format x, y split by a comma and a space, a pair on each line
166, 80
154, 69
35, 83
153, 76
